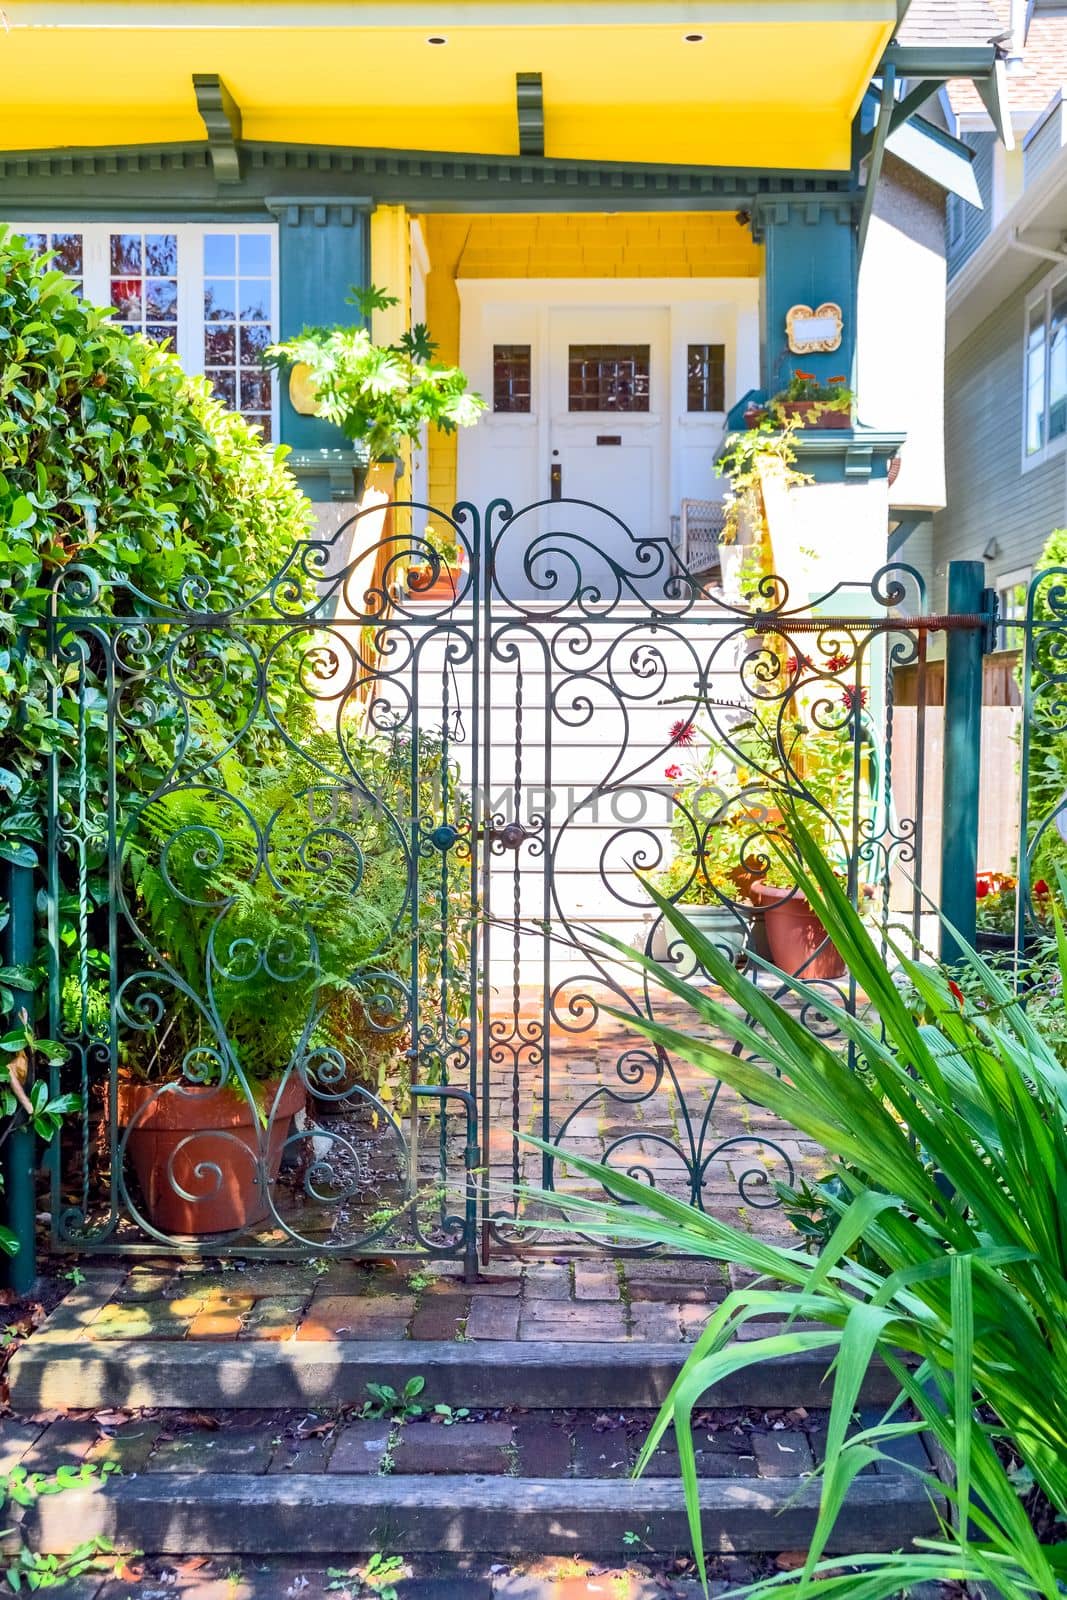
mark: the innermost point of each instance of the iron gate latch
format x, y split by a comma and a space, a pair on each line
511, 836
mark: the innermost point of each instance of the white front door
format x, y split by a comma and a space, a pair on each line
608, 421
592, 398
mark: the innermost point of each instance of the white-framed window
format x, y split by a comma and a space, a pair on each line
1011, 589
1045, 376
210, 290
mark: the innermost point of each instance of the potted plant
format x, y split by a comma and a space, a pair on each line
707, 871
436, 570
254, 912
809, 403
763, 452
381, 396
996, 894
732, 844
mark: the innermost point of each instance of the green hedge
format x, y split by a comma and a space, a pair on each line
113, 459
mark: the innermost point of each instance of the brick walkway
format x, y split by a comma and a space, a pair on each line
588, 1300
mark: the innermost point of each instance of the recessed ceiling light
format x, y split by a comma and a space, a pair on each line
694, 38
437, 38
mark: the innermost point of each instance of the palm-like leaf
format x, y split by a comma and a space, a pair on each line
952, 1152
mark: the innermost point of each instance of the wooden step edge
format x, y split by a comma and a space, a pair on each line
287, 1374
309, 1514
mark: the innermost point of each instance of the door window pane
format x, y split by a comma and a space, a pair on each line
608, 377
238, 325
1035, 382
144, 283
511, 377
706, 377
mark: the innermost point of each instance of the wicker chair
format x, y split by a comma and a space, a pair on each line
700, 527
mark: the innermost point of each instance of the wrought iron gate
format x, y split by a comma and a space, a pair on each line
343, 849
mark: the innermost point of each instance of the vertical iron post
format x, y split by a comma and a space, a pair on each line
962, 753
18, 1152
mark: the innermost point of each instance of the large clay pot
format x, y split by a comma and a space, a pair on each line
196, 1151
726, 928
795, 933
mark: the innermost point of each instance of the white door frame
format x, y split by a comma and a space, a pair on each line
517, 310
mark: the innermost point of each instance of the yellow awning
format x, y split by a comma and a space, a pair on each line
766, 83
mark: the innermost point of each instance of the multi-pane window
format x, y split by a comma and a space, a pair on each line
512, 382
1046, 369
67, 250
608, 377
705, 381
143, 283
207, 292
238, 321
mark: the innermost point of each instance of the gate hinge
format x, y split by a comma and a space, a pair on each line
991, 613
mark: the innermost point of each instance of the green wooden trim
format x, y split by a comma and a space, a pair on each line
221, 116
851, 455
104, 177
941, 61
530, 106
877, 155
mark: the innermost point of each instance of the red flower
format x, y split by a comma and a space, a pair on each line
794, 663
809, 377
683, 733
838, 663
957, 992
854, 697
1041, 888
837, 378
982, 887
673, 771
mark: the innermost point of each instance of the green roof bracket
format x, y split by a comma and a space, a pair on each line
938, 63
221, 116
905, 107
530, 104
994, 92
877, 151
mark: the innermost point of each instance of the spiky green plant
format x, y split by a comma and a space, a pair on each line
950, 1147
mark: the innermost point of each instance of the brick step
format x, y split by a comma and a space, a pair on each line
51, 1372
310, 1514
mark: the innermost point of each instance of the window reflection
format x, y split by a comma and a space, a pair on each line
144, 283
238, 322
68, 253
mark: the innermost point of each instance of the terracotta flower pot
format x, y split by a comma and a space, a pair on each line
422, 585
795, 933
196, 1151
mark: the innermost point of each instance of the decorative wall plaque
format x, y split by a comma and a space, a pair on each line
808, 330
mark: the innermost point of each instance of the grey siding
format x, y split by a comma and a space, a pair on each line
990, 495
976, 224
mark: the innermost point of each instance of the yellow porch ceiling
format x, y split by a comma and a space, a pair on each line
779, 89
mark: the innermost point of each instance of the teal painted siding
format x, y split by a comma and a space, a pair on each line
990, 494
810, 258
975, 224
323, 249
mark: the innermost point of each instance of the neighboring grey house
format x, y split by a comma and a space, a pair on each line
1006, 334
